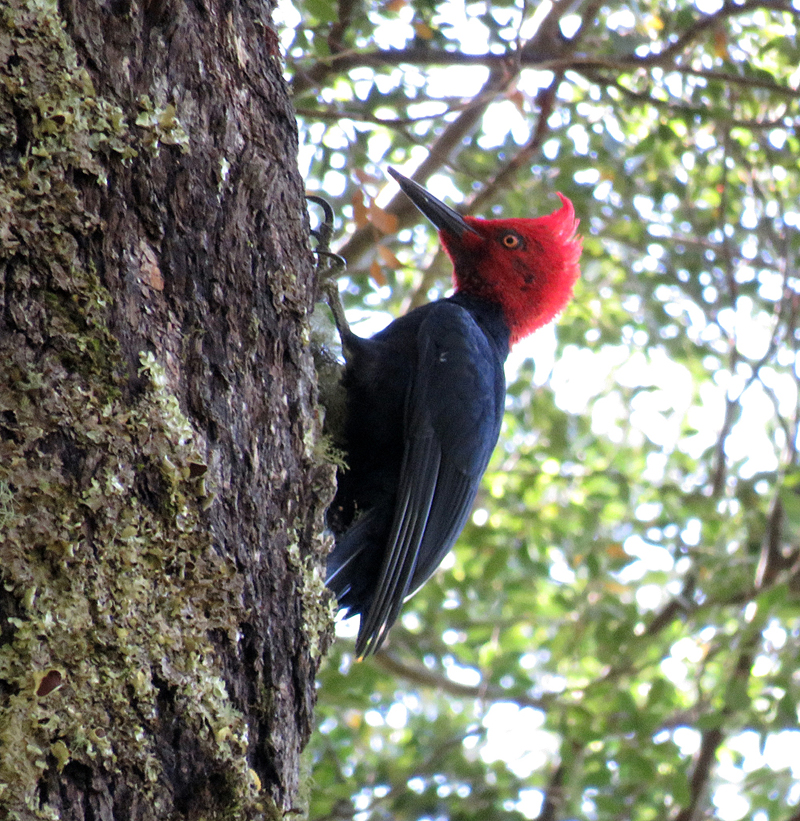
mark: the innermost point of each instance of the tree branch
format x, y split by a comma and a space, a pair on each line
702, 772
546, 53
363, 239
505, 176
554, 793
425, 678
710, 21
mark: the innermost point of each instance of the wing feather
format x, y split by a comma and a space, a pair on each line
455, 494
415, 495
452, 420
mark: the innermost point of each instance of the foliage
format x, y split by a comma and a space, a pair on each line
616, 634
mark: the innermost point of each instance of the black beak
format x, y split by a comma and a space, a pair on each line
441, 215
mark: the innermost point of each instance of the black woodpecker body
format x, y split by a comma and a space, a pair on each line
424, 405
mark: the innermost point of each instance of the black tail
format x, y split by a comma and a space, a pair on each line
355, 562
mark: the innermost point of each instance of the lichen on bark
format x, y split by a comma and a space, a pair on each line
116, 630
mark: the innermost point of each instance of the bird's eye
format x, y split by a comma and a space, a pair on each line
511, 240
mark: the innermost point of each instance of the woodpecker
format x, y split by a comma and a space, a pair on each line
424, 404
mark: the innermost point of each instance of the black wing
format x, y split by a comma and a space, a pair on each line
452, 420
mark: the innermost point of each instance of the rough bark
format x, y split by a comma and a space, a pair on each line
161, 493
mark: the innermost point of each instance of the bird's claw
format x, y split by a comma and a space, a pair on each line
329, 265
323, 233
336, 262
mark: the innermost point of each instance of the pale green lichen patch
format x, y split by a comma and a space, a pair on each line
65, 122
316, 600
162, 126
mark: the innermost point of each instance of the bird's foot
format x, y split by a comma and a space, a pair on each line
329, 265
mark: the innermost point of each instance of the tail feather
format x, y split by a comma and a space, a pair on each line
354, 563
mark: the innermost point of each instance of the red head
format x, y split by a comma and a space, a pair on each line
527, 266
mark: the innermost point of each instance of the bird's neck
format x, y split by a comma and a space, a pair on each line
489, 316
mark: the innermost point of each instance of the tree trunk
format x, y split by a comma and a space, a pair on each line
161, 494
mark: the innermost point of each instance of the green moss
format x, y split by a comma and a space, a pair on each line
327, 451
